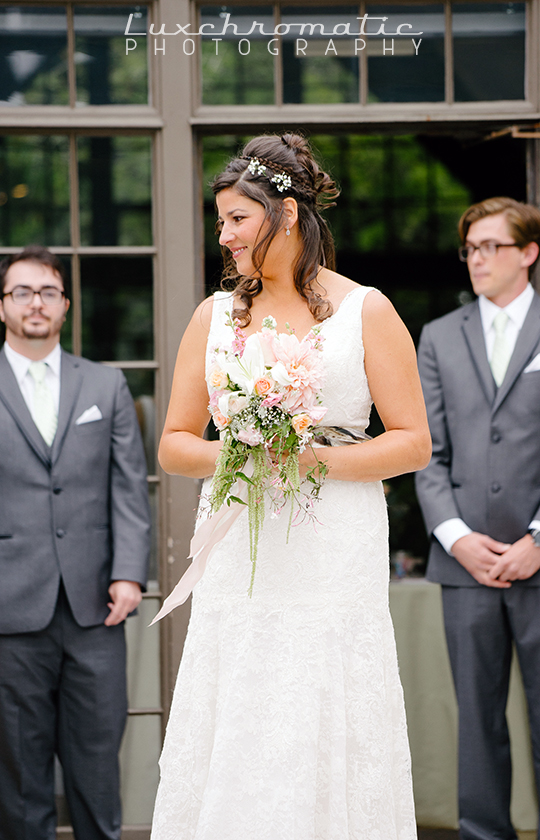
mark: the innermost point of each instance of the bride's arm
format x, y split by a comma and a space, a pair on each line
390, 362
182, 450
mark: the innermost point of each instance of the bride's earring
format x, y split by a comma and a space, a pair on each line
287, 231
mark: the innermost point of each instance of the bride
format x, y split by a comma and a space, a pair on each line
288, 721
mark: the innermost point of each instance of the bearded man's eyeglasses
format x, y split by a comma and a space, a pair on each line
24, 295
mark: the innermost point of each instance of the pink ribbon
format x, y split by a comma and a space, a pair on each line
206, 537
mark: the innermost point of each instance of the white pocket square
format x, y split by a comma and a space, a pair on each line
534, 365
89, 416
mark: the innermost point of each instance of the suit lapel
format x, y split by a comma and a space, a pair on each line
70, 385
528, 338
10, 395
474, 336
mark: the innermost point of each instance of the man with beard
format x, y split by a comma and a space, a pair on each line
74, 540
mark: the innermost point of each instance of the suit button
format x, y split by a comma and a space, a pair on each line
495, 437
60, 533
495, 487
57, 490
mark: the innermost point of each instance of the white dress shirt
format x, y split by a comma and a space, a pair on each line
451, 530
20, 367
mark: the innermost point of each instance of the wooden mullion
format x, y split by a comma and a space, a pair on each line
72, 78
75, 243
448, 54
363, 68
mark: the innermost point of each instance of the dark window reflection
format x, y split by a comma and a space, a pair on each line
319, 64
233, 76
117, 308
489, 51
410, 73
396, 196
33, 50
115, 190
34, 190
141, 385
106, 75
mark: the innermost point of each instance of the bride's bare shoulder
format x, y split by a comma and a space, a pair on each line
202, 317
335, 286
377, 309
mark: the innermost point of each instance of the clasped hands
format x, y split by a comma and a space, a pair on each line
496, 564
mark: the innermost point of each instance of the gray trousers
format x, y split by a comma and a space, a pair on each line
481, 623
63, 691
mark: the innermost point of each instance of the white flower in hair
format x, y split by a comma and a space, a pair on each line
282, 181
256, 167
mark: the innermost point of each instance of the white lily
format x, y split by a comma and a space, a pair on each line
279, 373
246, 370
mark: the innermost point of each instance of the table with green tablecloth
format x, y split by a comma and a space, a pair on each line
432, 712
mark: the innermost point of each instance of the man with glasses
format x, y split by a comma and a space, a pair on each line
74, 542
480, 496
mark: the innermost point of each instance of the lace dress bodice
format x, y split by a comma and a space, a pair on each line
345, 391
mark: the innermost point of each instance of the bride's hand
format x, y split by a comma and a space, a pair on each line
310, 459
307, 460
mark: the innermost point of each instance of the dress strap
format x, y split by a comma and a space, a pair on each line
223, 303
219, 332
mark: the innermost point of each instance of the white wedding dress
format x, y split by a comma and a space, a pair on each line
288, 721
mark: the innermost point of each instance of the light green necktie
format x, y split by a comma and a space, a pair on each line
501, 351
44, 415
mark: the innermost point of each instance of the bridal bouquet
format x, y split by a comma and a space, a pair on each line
265, 398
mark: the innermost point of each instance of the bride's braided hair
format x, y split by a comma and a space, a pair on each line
313, 190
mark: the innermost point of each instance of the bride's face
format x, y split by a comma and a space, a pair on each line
242, 220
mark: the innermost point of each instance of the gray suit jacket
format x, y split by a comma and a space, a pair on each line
485, 466
77, 511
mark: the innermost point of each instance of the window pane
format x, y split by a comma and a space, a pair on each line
319, 64
139, 769
408, 67
115, 190
141, 385
105, 74
117, 308
483, 33
33, 50
217, 152
34, 190
238, 69
398, 197
143, 657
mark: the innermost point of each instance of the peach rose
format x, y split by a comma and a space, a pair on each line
264, 385
301, 423
220, 420
217, 378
